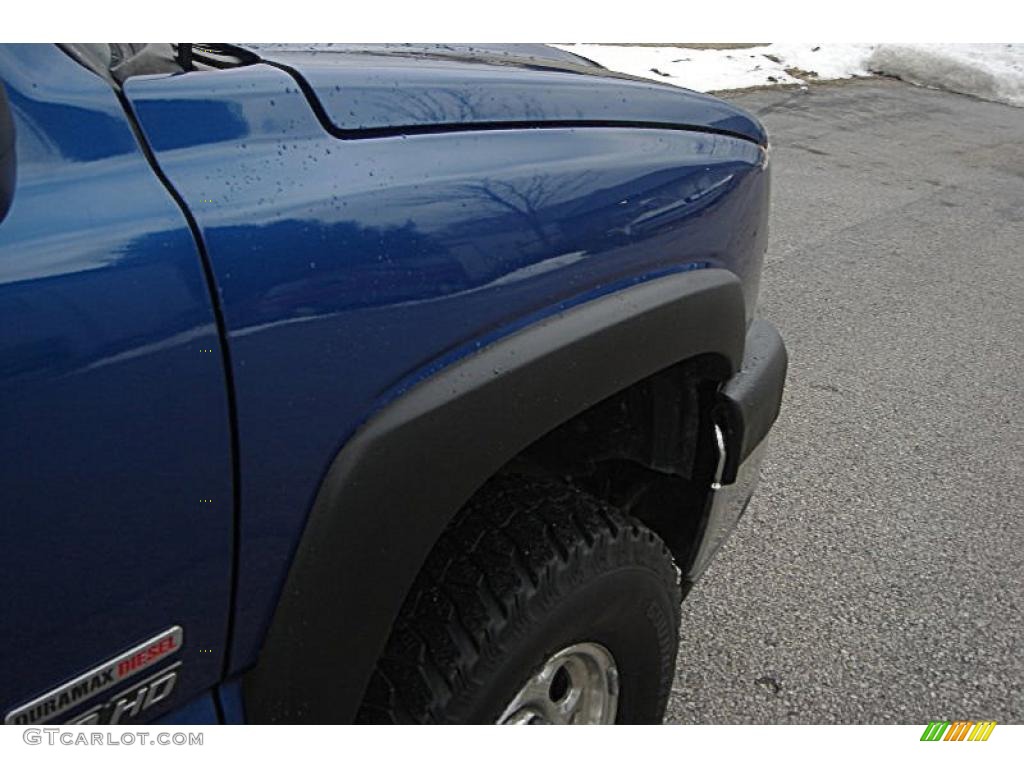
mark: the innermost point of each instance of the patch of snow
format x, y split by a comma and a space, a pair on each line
993, 72
729, 68
989, 71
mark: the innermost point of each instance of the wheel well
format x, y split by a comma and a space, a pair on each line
646, 450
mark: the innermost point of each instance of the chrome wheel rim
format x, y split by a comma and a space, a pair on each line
579, 685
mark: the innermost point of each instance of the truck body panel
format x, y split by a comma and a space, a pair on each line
115, 461
359, 267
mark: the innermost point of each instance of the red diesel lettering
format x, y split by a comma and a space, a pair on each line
144, 657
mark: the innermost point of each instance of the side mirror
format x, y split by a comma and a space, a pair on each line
8, 166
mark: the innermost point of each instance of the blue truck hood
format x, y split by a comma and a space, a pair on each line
367, 89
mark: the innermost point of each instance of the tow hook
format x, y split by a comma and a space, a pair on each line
716, 482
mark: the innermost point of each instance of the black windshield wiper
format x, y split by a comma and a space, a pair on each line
183, 52
218, 55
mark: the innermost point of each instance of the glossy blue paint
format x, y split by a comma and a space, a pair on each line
113, 418
232, 705
350, 269
370, 91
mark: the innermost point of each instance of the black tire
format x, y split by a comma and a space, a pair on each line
529, 567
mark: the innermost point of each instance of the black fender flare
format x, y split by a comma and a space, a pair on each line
399, 480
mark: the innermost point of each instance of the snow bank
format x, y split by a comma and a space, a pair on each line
724, 69
993, 72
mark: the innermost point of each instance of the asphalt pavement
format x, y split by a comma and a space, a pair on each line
878, 575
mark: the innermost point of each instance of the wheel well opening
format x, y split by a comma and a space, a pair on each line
646, 450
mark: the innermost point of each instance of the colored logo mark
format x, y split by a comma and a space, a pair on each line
958, 730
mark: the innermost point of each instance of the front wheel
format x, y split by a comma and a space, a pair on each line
540, 604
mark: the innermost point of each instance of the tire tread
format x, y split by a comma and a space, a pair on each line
489, 571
